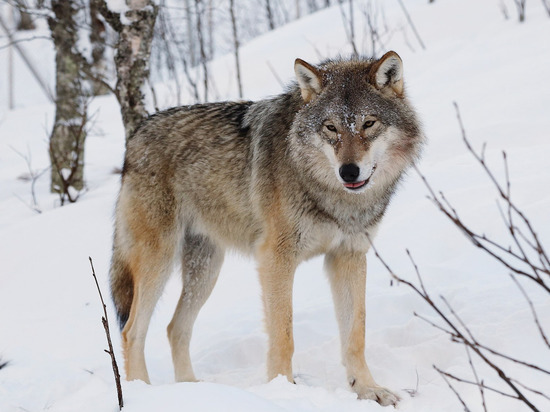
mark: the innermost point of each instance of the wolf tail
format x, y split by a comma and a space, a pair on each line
122, 286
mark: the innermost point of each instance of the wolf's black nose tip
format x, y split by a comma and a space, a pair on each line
349, 173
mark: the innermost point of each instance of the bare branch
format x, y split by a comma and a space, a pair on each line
349, 25
533, 311
444, 376
26, 39
33, 178
539, 249
531, 389
111, 352
453, 377
407, 15
478, 382
520, 260
272, 69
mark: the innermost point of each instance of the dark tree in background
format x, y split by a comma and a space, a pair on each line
199, 13
236, 43
98, 39
520, 6
69, 129
269, 14
25, 21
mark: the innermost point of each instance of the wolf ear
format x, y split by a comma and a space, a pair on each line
387, 73
309, 79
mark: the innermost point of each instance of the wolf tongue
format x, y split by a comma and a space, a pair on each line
354, 185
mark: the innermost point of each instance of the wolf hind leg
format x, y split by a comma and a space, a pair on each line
201, 263
150, 268
347, 274
143, 254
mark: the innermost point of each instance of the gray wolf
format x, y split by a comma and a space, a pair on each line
308, 172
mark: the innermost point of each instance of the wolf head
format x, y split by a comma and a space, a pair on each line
356, 129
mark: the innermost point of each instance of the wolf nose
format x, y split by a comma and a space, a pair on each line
349, 173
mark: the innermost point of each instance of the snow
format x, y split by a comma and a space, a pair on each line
497, 70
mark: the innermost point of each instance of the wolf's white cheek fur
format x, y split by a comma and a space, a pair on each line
328, 150
380, 154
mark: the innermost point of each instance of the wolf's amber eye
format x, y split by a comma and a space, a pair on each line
368, 124
331, 128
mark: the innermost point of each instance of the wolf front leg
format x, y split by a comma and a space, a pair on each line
347, 273
276, 266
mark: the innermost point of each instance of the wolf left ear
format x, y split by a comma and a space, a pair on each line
387, 73
309, 79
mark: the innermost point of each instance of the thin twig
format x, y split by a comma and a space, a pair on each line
481, 160
531, 389
111, 352
533, 311
478, 382
272, 69
412, 24
456, 378
444, 376
33, 177
26, 39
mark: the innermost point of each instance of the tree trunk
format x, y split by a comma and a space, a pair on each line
520, 4
133, 51
132, 62
210, 14
97, 39
199, 10
69, 133
312, 6
25, 20
236, 45
269, 13
190, 30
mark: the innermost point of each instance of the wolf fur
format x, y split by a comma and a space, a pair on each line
308, 172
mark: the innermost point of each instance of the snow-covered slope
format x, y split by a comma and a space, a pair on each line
50, 328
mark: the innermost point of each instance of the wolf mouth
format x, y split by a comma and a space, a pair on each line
356, 186
361, 184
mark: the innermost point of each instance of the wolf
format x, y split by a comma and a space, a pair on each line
308, 172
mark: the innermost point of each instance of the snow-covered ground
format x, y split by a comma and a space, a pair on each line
50, 329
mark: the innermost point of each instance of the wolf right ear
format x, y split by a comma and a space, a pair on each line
309, 79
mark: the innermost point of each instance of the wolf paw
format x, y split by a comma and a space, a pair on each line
381, 395
187, 378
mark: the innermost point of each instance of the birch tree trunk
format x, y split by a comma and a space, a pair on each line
68, 133
133, 51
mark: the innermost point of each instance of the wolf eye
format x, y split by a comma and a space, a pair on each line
368, 124
331, 128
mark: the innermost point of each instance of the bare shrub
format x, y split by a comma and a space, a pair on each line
522, 258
